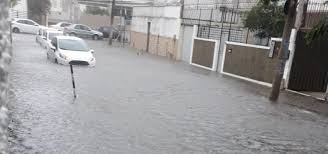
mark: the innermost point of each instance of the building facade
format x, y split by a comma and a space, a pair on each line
156, 28
64, 10
19, 10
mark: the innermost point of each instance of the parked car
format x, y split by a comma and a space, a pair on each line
24, 26
49, 34
70, 50
107, 29
39, 35
83, 31
60, 26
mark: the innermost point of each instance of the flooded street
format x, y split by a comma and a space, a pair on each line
144, 104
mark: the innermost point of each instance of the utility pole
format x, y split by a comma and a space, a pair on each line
283, 51
110, 42
5, 58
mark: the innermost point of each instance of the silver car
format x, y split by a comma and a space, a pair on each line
82, 31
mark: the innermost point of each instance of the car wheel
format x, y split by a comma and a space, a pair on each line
16, 30
95, 37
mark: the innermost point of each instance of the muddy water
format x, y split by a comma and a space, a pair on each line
146, 104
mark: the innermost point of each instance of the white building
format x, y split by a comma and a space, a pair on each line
64, 10
19, 10
163, 20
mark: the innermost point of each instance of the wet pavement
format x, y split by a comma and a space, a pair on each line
143, 104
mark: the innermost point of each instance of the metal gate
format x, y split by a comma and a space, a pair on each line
309, 70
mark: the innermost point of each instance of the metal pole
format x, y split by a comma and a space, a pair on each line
148, 36
230, 24
209, 29
110, 42
247, 35
124, 27
73, 81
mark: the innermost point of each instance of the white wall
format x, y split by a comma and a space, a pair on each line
168, 11
165, 21
186, 44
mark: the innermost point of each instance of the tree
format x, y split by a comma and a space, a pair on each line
38, 9
5, 58
266, 19
94, 10
319, 31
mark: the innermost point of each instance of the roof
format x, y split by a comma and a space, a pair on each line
68, 37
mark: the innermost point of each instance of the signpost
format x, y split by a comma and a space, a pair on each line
73, 81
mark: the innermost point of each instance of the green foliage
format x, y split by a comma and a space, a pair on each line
96, 10
318, 32
266, 19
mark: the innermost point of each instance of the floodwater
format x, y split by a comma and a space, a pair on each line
143, 104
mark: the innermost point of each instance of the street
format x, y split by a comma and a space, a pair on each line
132, 103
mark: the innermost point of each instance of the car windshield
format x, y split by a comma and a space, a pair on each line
75, 45
52, 35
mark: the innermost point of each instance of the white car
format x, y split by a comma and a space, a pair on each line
24, 26
68, 50
40, 34
60, 26
48, 35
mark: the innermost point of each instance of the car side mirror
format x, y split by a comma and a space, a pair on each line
92, 51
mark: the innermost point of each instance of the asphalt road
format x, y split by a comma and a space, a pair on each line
143, 104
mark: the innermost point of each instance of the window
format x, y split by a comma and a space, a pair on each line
29, 22
74, 45
52, 35
78, 27
21, 21
64, 24
85, 28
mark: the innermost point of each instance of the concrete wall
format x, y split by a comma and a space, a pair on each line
158, 45
250, 61
95, 21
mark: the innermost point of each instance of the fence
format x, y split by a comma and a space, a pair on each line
219, 20
316, 10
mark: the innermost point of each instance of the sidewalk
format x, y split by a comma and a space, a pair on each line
286, 97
